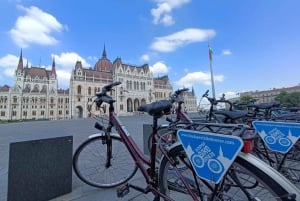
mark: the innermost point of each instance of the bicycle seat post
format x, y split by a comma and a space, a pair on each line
153, 144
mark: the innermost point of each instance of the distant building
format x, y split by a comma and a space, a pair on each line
35, 94
269, 95
190, 101
138, 86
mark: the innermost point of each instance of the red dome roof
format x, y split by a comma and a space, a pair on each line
104, 64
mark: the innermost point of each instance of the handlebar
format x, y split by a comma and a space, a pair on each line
213, 101
175, 97
103, 97
109, 87
177, 92
205, 94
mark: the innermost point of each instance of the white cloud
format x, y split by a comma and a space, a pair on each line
159, 68
63, 78
226, 52
35, 27
145, 57
172, 42
8, 65
229, 94
67, 60
162, 14
194, 78
93, 58
167, 20
65, 63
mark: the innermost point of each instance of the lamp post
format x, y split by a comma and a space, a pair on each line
211, 71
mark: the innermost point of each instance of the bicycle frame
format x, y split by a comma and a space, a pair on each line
140, 158
263, 111
147, 164
181, 116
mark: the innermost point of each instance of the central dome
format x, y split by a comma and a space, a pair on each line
104, 64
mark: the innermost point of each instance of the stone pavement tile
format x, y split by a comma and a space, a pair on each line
88, 193
80, 129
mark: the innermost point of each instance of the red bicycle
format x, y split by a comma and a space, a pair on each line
111, 159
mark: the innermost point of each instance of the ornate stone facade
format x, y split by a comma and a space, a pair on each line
138, 86
35, 94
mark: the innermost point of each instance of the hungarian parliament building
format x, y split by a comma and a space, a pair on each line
35, 93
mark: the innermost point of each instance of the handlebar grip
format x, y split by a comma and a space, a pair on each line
181, 90
184, 89
116, 84
99, 126
168, 119
206, 93
110, 86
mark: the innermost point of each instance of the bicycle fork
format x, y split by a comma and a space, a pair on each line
108, 143
106, 140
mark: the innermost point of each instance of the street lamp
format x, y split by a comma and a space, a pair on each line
210, 52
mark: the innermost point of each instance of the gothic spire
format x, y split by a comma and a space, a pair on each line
20, 65
53, 67
104, 53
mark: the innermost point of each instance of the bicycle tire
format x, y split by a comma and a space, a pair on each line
89, 162
287, 164
166, 137
248, 169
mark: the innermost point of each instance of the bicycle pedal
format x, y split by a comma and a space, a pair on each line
123, 190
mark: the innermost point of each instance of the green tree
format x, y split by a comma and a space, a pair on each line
289, 99
242, 103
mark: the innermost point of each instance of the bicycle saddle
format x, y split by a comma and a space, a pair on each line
267, 105
233, 114
156, 108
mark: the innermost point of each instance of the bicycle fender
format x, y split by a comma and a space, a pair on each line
102, 134
289, 186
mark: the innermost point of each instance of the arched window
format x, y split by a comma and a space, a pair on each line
89, 91
15, 99
79, 89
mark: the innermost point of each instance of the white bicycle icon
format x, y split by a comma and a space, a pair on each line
214, 165
198, 161
282, 141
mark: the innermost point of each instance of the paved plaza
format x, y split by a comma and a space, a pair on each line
80, 129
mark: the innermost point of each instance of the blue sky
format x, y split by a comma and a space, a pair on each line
255, 42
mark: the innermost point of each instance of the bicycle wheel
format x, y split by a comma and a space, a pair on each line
165, 137
247, 179
287, 164
89, 162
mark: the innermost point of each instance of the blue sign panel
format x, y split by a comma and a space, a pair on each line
210, 154
278, 136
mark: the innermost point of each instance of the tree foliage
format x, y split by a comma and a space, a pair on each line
289, 99
242, 103
286, 99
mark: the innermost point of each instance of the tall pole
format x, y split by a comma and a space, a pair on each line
211, 71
